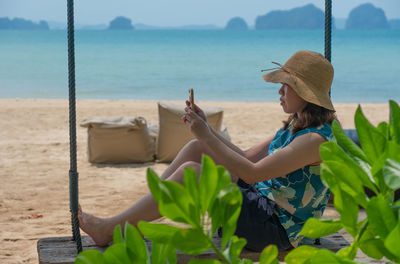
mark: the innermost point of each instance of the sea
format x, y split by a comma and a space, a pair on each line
220, 65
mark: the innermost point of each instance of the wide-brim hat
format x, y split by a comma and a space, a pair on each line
309, 74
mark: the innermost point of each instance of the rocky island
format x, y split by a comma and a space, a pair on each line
236, 23
121, 23
367, 16
305, 17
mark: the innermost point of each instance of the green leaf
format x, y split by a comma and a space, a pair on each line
373, 248
90, 256
346, 143
383, 128
117, 254
161, 253
191, 241
158, 232
343, 202
208, 183
348, 213
176, 203
391, 174
376, 171
236, 247
204, 261
349, 252
326, 256
269, 255
330, 151
392, 241
246, 261
153, 182
371, 140
117, 235
190, 182
301, 255
394, 120
137, 248
315, 228
217, 217
224, 178
230, 199
393, 151
346, 180
380, 216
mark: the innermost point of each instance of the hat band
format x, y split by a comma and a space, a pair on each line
289, 71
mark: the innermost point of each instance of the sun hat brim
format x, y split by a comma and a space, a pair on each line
305, 90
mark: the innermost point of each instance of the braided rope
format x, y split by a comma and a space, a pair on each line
73, 174
328, 38
328, 28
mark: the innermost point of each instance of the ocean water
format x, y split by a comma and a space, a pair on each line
219, 65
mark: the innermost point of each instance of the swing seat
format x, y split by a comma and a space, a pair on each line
59, 250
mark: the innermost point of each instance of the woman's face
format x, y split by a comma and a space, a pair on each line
290, 101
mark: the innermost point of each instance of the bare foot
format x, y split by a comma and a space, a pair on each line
99, 229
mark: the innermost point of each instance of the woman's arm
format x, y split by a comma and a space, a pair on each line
228, 143
259, 151
254, 153
304, 150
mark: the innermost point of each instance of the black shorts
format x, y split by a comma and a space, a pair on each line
258, 223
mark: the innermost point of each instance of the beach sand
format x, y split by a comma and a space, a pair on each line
34, 162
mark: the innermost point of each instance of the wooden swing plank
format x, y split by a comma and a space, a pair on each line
62, 250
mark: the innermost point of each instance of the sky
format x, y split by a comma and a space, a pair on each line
170, 13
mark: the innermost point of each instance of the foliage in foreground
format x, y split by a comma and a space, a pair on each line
202, 205
347, 169
212, 202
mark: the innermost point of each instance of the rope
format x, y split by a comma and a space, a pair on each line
73, 174
328, 28
328, 39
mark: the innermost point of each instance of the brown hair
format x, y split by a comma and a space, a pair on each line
312, 116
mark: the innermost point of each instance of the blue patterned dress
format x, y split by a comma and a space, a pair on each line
298, 195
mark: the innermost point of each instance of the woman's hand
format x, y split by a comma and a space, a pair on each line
196, 109
198, 126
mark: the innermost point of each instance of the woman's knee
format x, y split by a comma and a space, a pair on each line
180, 172
195, 145
192, 164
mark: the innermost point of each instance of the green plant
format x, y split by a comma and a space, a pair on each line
202, 205
347, 169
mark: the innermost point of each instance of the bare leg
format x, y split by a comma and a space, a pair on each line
146, 209
192, 151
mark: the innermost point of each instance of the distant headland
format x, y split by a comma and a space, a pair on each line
22, 24
363, 17
306, 17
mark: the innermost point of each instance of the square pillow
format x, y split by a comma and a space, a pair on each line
174, 134
119, 140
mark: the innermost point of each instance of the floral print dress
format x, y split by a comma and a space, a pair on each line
300, 194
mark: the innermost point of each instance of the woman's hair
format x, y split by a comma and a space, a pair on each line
312, 116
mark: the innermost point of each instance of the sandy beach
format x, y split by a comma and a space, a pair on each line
34, 162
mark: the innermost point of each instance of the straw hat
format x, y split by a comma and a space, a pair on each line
309, 74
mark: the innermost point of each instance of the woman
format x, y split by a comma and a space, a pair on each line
279, 177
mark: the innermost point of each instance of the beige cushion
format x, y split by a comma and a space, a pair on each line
174, 134
119, 140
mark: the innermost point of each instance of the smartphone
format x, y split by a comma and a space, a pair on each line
191, 93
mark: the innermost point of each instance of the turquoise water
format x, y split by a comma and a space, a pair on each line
220, 65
